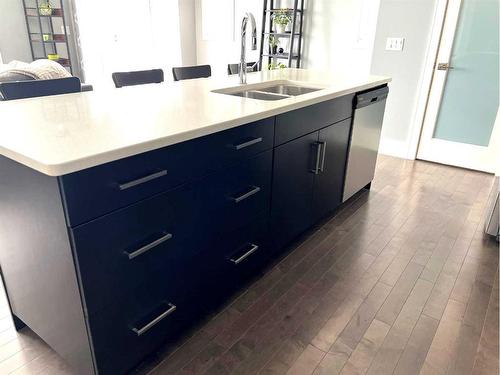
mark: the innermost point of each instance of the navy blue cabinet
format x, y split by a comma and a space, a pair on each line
96, 191
309, 171
133, 252
333, 142
293, 183
151, 239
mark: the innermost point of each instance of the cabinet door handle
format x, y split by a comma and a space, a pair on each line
247, 143
155, 321
149, 246
315, 170
142, 180
248, 194
323, 153
253, 249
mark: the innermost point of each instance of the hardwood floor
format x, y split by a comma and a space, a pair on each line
400, 281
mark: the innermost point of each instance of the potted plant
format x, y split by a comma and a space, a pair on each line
273, 44
281, 19
275, 66
45, 9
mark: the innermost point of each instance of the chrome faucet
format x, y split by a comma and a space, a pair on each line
243, 64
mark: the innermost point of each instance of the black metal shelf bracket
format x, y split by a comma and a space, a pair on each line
34, 13
295, 35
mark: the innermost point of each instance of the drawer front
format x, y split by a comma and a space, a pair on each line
121, 340
96, 191
302, 121
237, 195
143, 250
235, 255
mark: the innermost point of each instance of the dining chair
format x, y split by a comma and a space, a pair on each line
138, 77
30, 89
191, 72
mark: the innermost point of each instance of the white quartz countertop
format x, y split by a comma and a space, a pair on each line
62, 134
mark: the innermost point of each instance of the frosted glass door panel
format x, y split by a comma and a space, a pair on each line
470, 98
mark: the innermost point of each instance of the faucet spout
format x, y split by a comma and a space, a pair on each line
243, 64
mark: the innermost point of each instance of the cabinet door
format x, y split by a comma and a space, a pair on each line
329, 181
293, 181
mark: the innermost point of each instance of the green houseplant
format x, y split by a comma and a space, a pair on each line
273, 44
281, 19
275, 66
45, 9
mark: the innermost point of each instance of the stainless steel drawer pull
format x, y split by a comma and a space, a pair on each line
142, 180
323, 151
315, 170
149, 246
155, 321
255, 190
252, 250
247, 143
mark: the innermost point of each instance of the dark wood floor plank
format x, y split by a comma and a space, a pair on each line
364, 353
392, 306
416, 349
395, 341
363, 317
442, 349
486, 361
307, 361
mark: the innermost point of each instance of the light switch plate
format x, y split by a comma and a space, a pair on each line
394, 44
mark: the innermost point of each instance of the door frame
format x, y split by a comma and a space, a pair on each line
426, 81
424, 87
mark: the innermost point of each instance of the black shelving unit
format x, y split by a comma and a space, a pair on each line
39, 25
295, 35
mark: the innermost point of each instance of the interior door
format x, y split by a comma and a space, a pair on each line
329, 181
463, 101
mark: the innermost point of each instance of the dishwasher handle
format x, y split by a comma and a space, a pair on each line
371, 97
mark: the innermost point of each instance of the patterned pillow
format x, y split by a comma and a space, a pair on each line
39, 69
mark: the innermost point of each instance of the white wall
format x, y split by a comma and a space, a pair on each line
222, 47
411, 19
339, 35
128, 35
14, 44
187, 23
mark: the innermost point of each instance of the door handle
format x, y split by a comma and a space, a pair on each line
317, 163
146, 248
323, 153
444, 66
248, 143
253, 190
140, 331
253, 249
142, 180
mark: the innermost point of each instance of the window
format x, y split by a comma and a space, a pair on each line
125, 35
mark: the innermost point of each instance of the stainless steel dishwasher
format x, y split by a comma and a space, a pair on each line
369, 109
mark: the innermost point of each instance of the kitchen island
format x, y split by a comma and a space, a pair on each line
124, 213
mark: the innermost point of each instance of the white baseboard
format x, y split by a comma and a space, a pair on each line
394, 148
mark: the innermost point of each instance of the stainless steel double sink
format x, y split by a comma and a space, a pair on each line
272, 90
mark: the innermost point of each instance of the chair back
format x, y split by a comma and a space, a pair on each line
235, 68
191, 72
31, 89
138, 77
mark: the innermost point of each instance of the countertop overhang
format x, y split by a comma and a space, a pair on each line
63, 134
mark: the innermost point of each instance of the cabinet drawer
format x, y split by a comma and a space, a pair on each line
96, 191
145, 246
302, 121
234, 255
122, 340
235, 196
